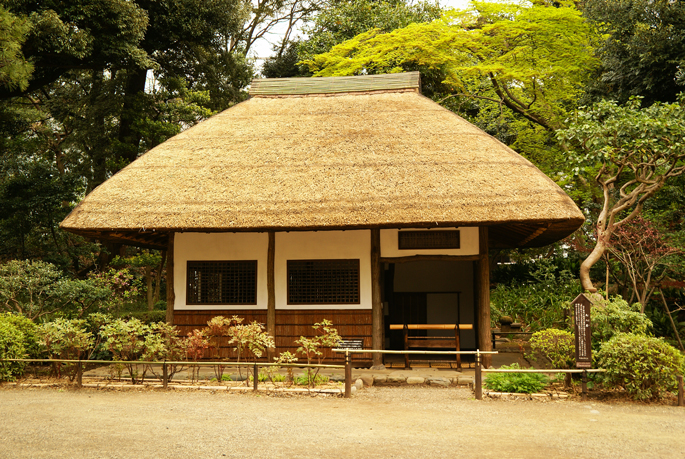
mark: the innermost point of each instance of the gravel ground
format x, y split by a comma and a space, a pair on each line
416, 422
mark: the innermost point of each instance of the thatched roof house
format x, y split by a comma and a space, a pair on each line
329, 153
335, 173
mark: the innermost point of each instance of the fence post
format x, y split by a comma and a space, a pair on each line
584, 386
479, 377
79, 374
165, 375
255, 376
348, 374
681, 394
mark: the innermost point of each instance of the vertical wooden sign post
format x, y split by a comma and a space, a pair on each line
583, 331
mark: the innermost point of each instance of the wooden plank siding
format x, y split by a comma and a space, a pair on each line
290, 325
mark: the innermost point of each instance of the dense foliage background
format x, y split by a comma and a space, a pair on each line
87, 86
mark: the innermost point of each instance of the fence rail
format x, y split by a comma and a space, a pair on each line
478, 383
348, 363
541, 370
180, 362
165, 378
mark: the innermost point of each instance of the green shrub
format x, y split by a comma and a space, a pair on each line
126, 340
261, 377
525, 383
30, 331
310, 377
38, 289
539, 302
277, 377
558, 346
613, 316
644, 366
11, 347
146, 317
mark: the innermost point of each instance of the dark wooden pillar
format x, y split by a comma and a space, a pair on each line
483, 282
271, 292
376, 303
170, 294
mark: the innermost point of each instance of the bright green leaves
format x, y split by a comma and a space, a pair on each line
534, 58
347, 18
14, 69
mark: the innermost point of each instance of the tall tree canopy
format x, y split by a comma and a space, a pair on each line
631, 152
15, 70
532, 58
339, 20
103, 82
82, 34
643, 53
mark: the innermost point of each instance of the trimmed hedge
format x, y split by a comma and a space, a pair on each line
558, 346
29, 330
11, 347
644, 366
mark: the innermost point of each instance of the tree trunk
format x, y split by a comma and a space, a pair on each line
148, 286
589, 262
98, 147
158, 277
130, 140
675, 329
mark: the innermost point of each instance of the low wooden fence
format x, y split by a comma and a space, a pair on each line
349, 352
478, 380
166, 363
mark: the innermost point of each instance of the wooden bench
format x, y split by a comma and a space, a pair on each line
431, 342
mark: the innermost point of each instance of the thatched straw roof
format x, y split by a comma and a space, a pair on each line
340, 154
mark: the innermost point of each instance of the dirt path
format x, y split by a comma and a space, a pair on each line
408, 422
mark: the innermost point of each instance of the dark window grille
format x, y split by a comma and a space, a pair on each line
323, 281
428, 239
222, 282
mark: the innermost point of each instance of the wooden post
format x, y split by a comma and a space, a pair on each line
165, 375
681, 395
458, 344
484, 329
407, 366
583, 386
79, 374
479, 378
271, 293
376, 303
348, 375
170, 295
255, 377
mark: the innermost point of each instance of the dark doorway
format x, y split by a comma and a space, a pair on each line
406, 308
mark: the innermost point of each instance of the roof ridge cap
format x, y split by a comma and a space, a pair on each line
335, 85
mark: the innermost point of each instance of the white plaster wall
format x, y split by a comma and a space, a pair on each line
219, 246
468, 240
315, 245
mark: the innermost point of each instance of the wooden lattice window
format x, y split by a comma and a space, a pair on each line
438, 239
222, 282
323, 281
